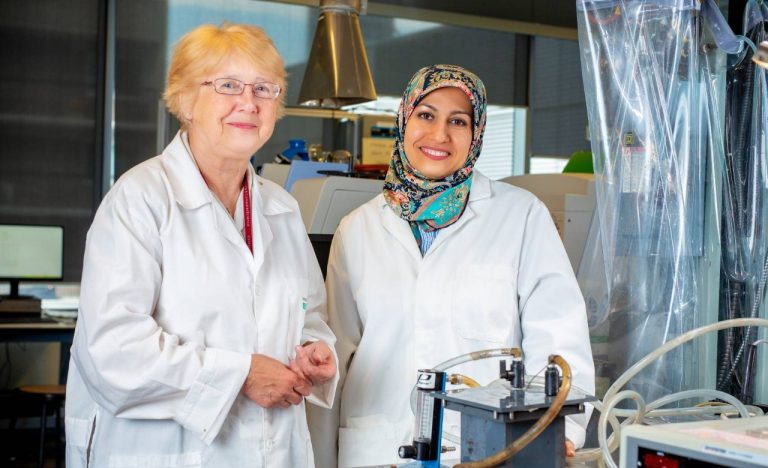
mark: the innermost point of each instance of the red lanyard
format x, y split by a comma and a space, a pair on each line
247, 214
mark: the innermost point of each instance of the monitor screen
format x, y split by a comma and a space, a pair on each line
31, 252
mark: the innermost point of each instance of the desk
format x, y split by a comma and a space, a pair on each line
42, 331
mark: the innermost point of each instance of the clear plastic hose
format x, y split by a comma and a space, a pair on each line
613, 396
478, 355
669, 345
692, 411
701, 393
461, 359
601, 427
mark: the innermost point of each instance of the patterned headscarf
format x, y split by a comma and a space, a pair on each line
428, 203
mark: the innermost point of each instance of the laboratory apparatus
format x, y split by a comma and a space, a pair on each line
516, 419
324, 201
519, 419
731, 443
496, 416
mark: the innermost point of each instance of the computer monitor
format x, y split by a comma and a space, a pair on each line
30, 253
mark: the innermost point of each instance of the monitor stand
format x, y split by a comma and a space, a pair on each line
16, 303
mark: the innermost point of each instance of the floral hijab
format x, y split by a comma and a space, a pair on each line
430, 204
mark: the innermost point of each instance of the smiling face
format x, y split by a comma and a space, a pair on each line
438, 134
230, 126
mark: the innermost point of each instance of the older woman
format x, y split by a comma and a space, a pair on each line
200, 286
442, 263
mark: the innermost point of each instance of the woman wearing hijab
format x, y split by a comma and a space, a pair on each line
444, 262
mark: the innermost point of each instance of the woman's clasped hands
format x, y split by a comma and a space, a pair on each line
271, 383
314, 362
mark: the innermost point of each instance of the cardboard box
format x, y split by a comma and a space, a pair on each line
377, 150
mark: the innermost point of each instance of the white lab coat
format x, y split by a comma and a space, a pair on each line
498, 277
172, 306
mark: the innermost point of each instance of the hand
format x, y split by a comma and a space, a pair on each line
570, 449
271, 383
314, 362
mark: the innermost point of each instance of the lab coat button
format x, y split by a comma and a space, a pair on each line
269, 444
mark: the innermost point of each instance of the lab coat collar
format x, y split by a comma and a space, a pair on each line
400, 230
188, 184
481, 187
272, 201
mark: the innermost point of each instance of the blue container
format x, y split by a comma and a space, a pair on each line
297, 149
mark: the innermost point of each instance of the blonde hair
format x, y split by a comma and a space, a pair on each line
203, 49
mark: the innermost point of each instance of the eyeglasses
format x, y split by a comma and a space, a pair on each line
231, 86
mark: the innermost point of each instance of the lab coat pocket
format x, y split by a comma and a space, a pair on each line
484, 303
367, 446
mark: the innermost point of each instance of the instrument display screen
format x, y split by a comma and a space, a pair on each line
649, 458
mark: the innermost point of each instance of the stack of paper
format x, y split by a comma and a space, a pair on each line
63, 307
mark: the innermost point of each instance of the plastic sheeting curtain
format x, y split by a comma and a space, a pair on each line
655, 83
644, 94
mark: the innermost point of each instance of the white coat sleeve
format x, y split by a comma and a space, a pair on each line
345, 323
130, 365
316, 328
552, 311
